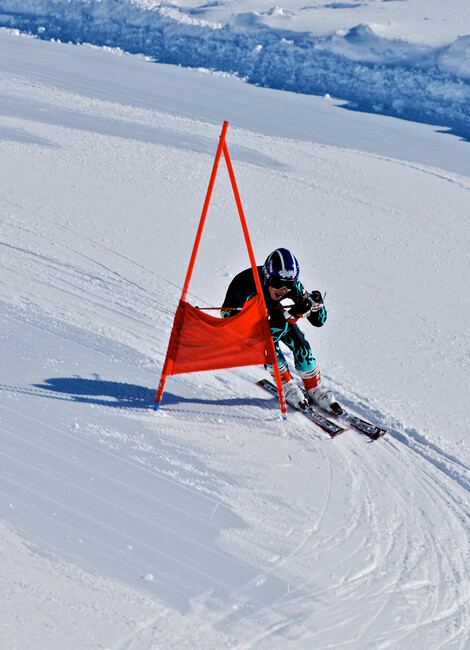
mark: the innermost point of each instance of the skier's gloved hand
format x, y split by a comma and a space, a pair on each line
317, 314
317, 301
302, 307
311, 302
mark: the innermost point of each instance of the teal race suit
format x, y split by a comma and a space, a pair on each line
243, 287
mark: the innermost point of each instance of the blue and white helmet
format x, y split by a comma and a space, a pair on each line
281, 268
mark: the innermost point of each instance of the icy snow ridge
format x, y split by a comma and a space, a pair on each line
372, 73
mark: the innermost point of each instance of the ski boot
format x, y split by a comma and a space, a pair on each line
293, 394
319, 396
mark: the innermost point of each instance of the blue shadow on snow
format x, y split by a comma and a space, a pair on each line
123, 395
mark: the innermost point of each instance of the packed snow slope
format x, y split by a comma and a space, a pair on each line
409, 58
213, 523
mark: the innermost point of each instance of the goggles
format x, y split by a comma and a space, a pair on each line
282, 283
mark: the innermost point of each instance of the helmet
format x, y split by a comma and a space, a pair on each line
281, 268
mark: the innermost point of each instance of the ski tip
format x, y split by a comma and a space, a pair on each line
156, 406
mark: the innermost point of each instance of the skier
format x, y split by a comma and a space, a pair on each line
279, 277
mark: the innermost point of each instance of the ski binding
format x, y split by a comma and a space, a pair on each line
331, 428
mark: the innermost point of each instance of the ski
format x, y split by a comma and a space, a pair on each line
331, 428
373, 431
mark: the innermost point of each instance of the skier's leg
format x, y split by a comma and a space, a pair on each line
307, 367
295, 340
292, 392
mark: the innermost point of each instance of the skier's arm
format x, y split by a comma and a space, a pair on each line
309, 305
235, 297
231, 303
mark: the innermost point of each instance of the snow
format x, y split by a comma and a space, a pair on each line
213, 523
364, 53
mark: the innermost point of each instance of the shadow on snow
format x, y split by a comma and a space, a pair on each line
123, 395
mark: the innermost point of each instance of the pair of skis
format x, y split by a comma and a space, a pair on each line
336, 411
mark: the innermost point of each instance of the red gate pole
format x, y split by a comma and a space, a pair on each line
264, 316
192, 261
205, 209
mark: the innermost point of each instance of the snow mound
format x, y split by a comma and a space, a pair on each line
359, 65
456, 58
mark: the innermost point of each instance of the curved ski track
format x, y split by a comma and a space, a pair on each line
387, 519
288, 535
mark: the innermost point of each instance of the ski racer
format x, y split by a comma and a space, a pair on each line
279, 277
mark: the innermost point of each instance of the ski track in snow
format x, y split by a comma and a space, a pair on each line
416, 580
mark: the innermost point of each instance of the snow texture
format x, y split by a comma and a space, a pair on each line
213, 523
296, 47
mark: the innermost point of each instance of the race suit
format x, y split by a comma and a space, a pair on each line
243, 287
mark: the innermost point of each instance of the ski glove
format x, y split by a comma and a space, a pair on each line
311, 302
317, 315
317, 301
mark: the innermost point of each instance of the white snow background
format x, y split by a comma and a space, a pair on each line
212, 523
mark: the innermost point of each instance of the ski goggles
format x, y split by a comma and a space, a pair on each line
282, 283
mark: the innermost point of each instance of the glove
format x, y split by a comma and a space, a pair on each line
317, 315
311, 302
317, 301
